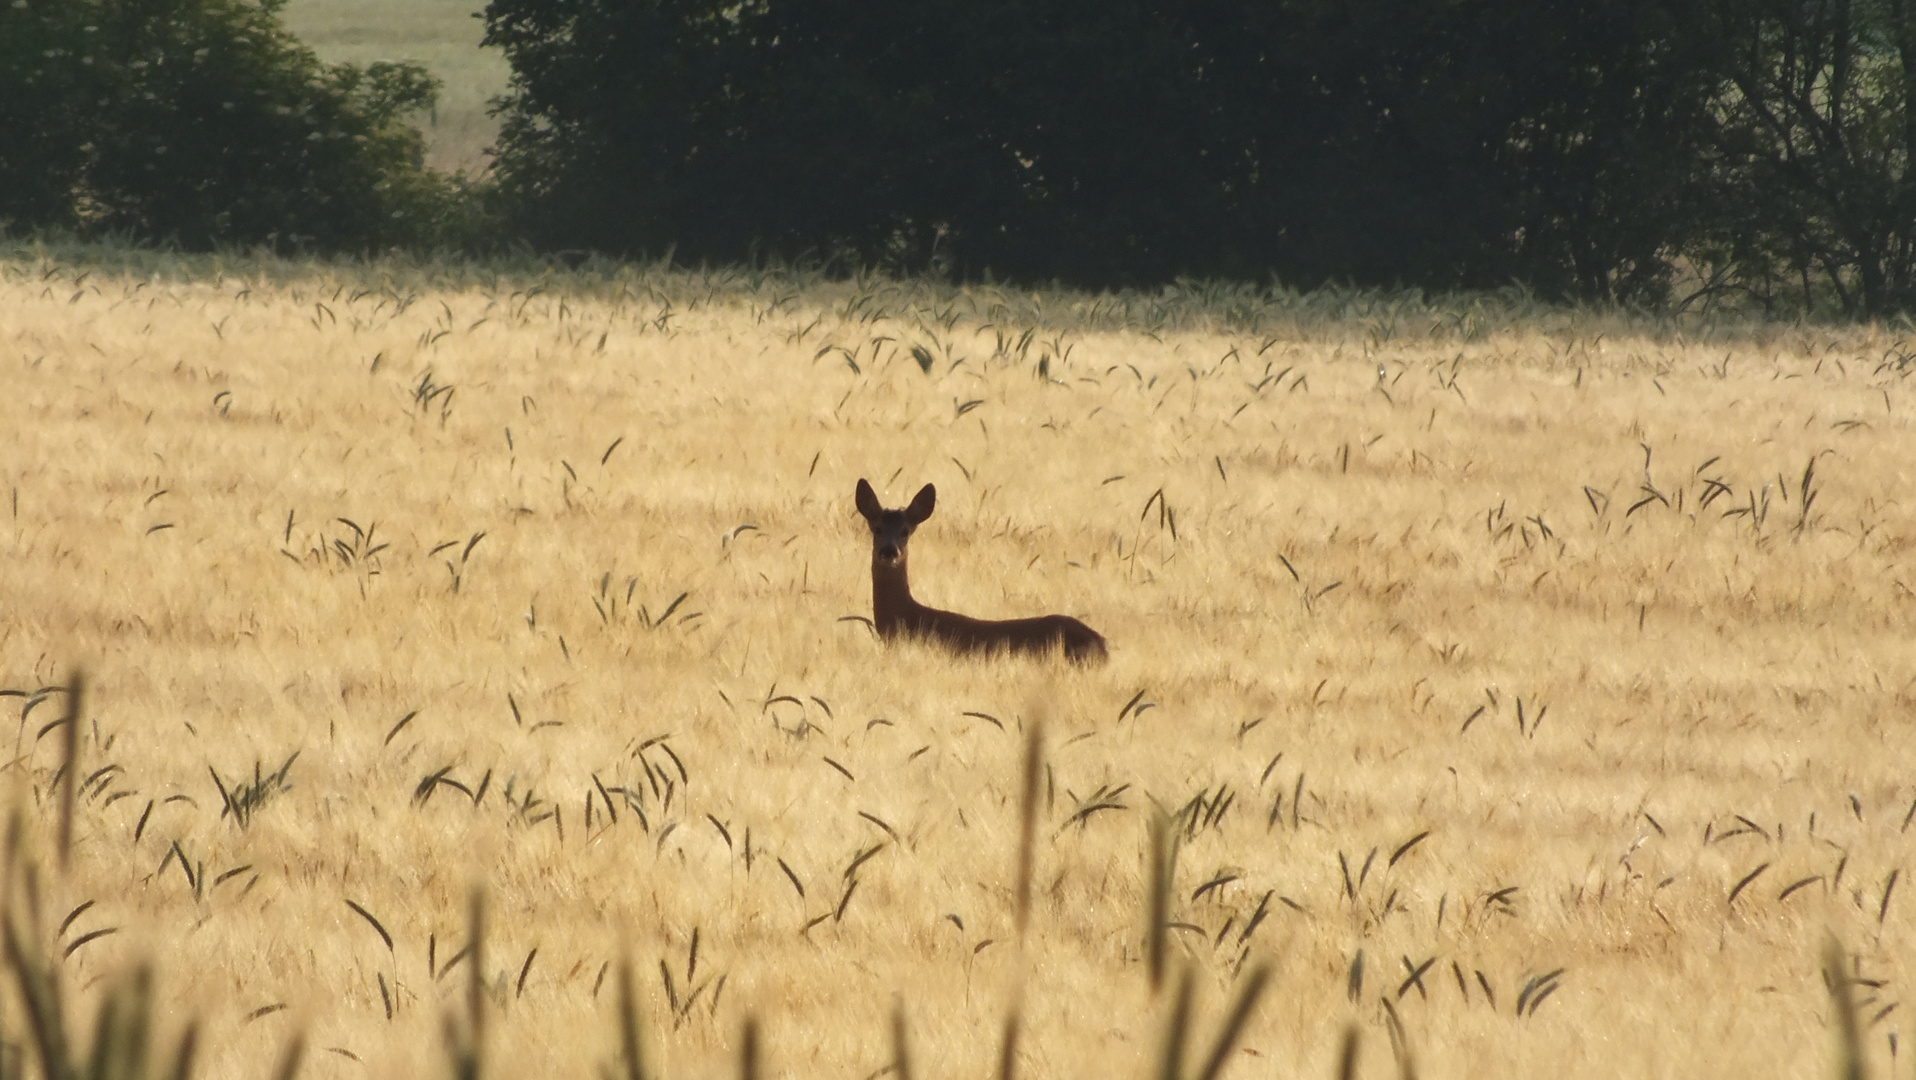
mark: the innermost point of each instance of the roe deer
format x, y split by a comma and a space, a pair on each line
895, 613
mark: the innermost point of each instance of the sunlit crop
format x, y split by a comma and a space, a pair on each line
1529, 688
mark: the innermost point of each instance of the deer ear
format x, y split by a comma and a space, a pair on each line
921, 506
867, 500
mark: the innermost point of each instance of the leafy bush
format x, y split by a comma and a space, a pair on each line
205, 122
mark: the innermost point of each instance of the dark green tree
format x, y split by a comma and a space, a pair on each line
50, 87
1816, 194
205, 122
1117, 141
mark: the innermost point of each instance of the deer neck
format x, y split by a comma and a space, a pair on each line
891, 594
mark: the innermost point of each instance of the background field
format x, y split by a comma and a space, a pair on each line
1491, 641
443, 35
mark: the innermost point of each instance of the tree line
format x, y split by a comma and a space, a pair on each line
1651, 152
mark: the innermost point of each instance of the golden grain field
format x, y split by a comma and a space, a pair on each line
1507, 668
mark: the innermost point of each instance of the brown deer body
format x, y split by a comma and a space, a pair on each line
895, 613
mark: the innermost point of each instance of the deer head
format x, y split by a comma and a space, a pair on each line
892, 529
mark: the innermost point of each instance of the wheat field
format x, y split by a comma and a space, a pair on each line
1529, 688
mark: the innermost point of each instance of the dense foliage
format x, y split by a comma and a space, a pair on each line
204, 122
1653, 151
1602, 149
1814, 130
